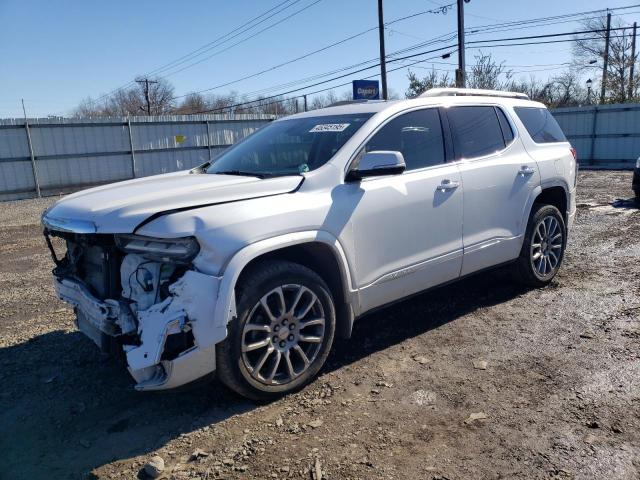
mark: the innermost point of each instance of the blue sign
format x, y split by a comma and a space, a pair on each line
366, 90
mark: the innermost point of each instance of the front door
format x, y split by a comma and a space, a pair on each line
407, 228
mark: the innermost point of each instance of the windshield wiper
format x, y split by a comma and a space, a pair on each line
240, 173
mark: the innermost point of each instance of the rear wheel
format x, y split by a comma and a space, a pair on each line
283, 333
543, 247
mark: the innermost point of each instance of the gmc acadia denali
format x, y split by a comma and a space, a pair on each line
250, 265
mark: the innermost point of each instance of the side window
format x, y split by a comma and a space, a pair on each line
540, 124
417, 134
507, 133
476, 131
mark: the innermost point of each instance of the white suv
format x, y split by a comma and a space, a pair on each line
249, 266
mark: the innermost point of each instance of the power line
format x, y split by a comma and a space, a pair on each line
269, 27
306, 55
369, 67
441, 9
227, 36
260, 102
413, 56
520, 24
517, 24
222, 37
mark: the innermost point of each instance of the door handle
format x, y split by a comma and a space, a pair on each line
447, 185
526, 170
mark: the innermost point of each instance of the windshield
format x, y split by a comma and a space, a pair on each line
289, 147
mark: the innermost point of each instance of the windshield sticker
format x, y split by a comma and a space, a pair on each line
330, 127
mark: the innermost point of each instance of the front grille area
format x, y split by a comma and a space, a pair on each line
99, 269
92, 259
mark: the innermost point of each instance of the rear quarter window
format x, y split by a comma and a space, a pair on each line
540, 124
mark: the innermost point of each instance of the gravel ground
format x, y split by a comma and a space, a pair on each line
409, 396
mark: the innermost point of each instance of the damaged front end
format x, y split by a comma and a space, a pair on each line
140, 298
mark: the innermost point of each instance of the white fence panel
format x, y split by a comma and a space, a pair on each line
69, 154
605, 136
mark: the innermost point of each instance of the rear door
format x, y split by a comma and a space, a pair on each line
498, 177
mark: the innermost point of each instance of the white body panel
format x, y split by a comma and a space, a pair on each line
407, 234
392, 236
498, 190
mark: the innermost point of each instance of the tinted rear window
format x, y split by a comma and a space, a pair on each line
540, 124
476, 131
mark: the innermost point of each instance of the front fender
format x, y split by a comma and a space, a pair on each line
226, 306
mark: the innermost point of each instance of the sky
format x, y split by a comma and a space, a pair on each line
56, 53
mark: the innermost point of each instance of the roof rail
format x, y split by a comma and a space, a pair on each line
351, 102
454, 92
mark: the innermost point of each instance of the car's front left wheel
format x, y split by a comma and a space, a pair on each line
282, 334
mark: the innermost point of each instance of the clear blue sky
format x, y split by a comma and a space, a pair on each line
54, 53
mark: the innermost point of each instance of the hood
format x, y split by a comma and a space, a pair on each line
121, 207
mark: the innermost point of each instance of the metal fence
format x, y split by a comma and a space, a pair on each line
605, 136
51, 156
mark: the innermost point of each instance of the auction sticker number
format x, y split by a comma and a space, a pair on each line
330, 127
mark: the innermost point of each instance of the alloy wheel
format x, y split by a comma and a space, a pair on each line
546, 246
283, 334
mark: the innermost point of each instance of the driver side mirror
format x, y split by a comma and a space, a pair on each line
377, 164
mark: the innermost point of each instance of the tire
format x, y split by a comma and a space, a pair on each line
541, 255
265, 333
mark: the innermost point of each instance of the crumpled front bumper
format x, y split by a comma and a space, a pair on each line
190, 306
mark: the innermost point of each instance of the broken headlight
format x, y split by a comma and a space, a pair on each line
160, 249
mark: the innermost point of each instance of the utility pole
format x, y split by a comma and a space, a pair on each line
606, 59
460, 72
146, 82
633, 61
305, 102
383, 56
624, 65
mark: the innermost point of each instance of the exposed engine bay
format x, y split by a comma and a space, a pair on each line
149, 308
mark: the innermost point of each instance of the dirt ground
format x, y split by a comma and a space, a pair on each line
407, 397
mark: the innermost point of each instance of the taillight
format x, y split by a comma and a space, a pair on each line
575, 161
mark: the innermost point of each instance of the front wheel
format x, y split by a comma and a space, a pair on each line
543, 247
283, 333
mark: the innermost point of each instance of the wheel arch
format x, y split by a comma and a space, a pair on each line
556, 194
318, 250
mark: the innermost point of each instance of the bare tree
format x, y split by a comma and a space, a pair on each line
160, 96
588, 55
130, 101
88, 108
485, 73
192, 103
432, 80
566, 90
